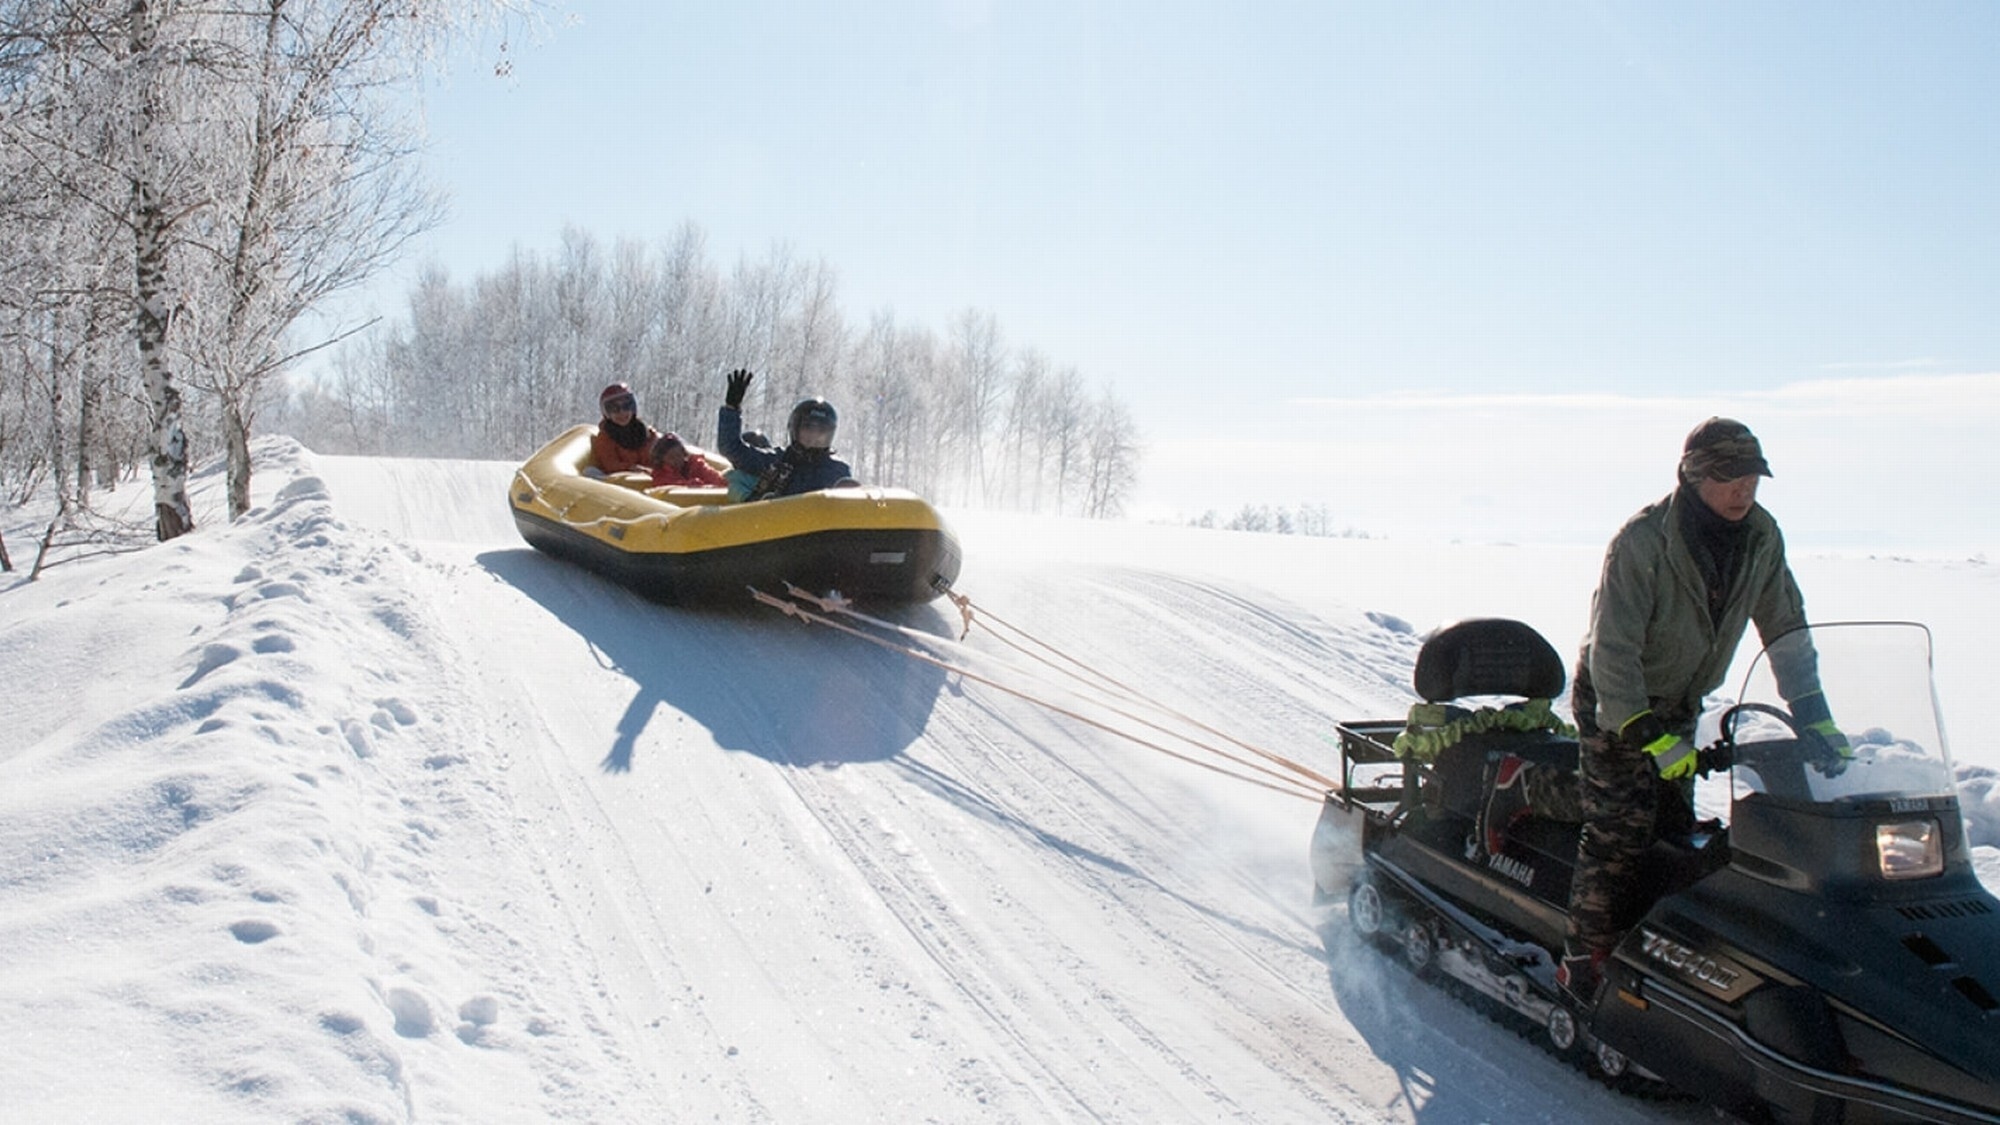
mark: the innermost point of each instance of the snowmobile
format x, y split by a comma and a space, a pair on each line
1825, 954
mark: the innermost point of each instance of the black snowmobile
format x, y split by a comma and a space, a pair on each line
1826, 955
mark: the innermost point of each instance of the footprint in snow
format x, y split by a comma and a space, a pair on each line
254, 932
342, 1023
414, 1018
395, 711
213, 656
356, 733
478, 1014
268, 591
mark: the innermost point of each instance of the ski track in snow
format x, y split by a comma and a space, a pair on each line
952, 881
463, 832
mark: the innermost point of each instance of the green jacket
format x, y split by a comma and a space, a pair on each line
1652, 644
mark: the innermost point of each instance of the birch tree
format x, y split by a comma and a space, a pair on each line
319, 197
250, 156
155, 163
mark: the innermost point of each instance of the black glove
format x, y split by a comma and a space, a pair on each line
1714, 759
739, 382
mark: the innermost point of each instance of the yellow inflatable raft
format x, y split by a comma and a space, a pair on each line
689, 544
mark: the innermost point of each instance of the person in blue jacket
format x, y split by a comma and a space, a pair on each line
806, 464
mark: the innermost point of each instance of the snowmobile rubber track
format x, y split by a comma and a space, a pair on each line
1388, 941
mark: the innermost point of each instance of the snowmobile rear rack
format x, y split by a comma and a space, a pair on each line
1366, 747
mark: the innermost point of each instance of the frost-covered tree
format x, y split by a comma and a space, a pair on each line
974, 381
250, 160
1111, 463
1063, 419
318, 194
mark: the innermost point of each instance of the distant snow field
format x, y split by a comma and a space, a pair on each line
358, 809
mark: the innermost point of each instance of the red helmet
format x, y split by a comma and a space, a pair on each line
618, 396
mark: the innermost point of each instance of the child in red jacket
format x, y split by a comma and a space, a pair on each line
622, 441
673, 464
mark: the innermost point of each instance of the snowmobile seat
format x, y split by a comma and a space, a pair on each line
1486, 657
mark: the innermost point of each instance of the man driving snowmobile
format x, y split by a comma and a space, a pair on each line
806, 464
1681, 581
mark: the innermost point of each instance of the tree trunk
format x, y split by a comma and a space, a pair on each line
58, 453
86, 417
150, 227
175, 517
236, 438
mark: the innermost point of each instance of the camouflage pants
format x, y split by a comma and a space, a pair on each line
1618, 791
1552, 793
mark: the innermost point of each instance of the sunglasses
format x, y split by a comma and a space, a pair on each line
619, 405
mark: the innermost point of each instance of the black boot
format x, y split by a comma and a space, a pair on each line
1579, 974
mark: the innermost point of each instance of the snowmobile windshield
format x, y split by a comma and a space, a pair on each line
1842, 712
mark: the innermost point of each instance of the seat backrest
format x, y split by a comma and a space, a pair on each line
1487, 656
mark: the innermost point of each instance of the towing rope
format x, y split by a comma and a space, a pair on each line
1291, 778
1128, 691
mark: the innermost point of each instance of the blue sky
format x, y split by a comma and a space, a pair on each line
1251, 218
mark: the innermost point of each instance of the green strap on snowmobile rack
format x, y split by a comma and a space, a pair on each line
1434, 726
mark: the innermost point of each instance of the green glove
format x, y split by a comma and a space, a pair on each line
1673, 756
1815, 720
1839, 752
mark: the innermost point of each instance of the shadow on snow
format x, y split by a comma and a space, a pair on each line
795, 694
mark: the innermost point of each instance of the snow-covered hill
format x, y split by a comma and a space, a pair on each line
357, 809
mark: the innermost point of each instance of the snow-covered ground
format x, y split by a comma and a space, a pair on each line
358, 809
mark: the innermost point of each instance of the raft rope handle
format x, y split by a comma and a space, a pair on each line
835, 605
964, 604
1117, 688
537, 493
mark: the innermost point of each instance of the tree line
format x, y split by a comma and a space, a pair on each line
494, 366
1310, 519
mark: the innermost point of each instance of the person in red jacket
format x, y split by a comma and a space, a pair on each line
622, 441
673, 464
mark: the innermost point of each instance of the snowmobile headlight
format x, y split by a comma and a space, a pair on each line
1910, 849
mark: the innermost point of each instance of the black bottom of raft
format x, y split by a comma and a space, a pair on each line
887, 565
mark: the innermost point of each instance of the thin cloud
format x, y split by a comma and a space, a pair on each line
1856, 460
1948, 396
1885, 365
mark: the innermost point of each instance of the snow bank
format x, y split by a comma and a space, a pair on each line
233, 763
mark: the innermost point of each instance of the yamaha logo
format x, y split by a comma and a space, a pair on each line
1512, 868
1687, 962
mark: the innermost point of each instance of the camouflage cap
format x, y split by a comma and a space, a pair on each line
1722, 449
